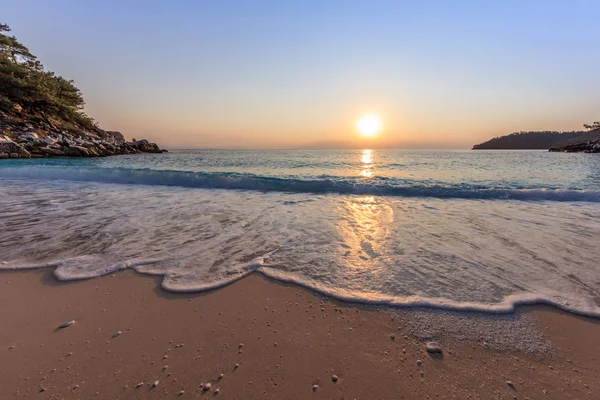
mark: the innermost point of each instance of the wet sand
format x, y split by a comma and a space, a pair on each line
284, 340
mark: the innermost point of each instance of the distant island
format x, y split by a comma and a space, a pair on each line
575, 141
41, 114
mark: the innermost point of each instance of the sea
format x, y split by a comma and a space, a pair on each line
460, 230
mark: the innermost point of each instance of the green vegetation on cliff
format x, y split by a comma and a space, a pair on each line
41, 114
29, 93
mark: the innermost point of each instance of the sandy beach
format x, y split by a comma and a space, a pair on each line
261, 339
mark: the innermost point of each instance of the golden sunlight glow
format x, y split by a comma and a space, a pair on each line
369, 125
366, 159
366, 156
365, 227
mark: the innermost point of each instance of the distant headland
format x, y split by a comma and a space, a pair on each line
587, 141
41, 114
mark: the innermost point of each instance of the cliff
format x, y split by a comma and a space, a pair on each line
41, 114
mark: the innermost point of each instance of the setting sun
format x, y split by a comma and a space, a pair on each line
369, 125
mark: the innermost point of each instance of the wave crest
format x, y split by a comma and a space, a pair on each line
324, 185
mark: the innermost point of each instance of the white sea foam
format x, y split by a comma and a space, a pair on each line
475, 255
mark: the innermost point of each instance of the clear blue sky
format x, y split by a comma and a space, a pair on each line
283, 73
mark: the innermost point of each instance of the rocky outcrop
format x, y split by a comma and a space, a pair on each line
10, 149
30, 140
145, 146
592, 146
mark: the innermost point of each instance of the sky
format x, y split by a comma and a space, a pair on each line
298, 74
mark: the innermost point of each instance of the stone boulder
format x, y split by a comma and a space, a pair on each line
10, 147
114, 136
27, 137
52, 151
145, 146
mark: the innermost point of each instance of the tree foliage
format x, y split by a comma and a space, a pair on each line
592, 127
28, 91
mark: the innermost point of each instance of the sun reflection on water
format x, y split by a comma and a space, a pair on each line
364, 227
367, 163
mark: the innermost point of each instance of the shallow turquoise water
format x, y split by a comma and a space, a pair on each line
461, 174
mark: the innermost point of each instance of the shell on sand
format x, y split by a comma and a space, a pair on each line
66, 324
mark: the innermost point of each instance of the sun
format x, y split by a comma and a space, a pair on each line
369, 125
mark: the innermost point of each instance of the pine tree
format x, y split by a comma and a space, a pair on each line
30, 92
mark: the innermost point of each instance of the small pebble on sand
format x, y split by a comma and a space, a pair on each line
139, 385
511, 384
334, 378
392, 336
216, 391
155, 384
433, 348
315, 387
207, 386
181, 393
419, 363
221, 376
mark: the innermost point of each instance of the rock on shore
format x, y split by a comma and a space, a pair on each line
34, 141
592, 146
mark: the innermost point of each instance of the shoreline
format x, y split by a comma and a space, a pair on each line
505, 308
293, 338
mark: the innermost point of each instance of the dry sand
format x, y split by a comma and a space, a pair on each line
285, 339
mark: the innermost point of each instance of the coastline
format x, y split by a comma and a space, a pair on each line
292, 339
24, 137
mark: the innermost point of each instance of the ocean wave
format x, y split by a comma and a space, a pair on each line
74, 270
487, 256
322, 185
